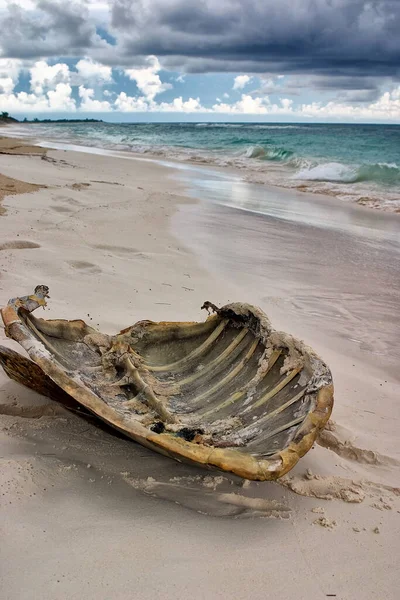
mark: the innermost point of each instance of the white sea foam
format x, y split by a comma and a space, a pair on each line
276, 126
332, 171
220, 125
382, 173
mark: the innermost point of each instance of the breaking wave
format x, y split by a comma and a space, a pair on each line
277, 127
220, 125
254, 152
247, 126
383, 173
276, 154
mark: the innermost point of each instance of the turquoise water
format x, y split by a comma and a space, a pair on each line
355, 162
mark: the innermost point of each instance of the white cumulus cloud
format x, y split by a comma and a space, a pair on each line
60, 98
386, 108
51, 90
248, 105
91, 70
241, 81
44, 76
125, 103
9, 74
89, 104
179, 105
148, 80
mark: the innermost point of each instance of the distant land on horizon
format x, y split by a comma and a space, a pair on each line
6, 118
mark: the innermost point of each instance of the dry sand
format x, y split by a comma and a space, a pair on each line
88, 514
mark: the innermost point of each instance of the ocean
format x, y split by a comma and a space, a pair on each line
356, 163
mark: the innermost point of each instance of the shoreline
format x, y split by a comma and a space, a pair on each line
185, 174
125, 241
257, 177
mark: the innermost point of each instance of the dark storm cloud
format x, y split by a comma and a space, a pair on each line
122, 14
348, 89
327, 37
55, 28
345, 83
359, 96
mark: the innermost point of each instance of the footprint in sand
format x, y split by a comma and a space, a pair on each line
107, 182
122, 251
62, 209
18, 245
78, 186
65, 204
87, 267
68, 200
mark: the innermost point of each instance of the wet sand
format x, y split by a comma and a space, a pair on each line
8, 185
87, 513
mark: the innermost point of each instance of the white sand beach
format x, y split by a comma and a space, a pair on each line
88, 514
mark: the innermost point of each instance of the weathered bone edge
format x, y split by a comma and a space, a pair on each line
198, 405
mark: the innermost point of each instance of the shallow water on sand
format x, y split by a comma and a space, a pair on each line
329, 265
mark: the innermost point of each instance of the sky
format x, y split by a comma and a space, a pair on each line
201, 60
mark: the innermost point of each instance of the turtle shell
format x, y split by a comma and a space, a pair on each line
230, 392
